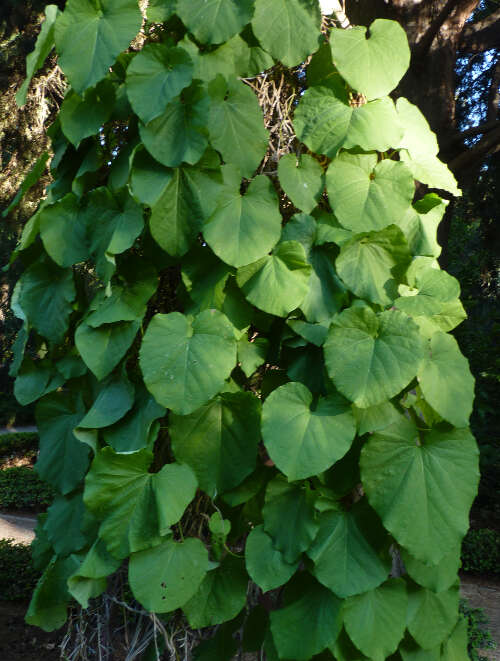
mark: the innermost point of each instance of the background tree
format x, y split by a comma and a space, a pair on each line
22, 142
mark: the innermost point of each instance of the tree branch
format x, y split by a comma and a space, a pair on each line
477, 130
464, 163
423, 46
483, 35
494, 92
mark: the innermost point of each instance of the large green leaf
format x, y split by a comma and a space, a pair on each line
90, 35
114, 399
420, 148
102, 348
63, 230
132, 432
49, 603
219, 441
45, 296
346, 551
215, 21
309, 623
265, 564
43, 45
178, 134
165, 577
188, 198
449, 316
372, 64
204, 276
235, 124
456, 647
326, 293
372, 357
234, 58
64, 523
366, 195
325, 122
431, 171
244, 228
303, 441
127, 301
302, 180
345, 650
148, 178
113, 224
375, 418
35, 379
435, 577
156, 75
89, 580
185, 361
221, 595
420, 224
432, 617
373, 263
63, 460
288, 29
428, 480
83, 116
429, 288
289, 517
418, 138
136, 507
277, 283
446, 380
376, 620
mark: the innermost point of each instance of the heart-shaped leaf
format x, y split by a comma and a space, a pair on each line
376, 620
186, 361
366, 195
215, 21
401, 474
108, 27
303, 441
165, 577
279, 282
219, 441
374, 61
370, 357
346, 552
245, 228
288, 29
156, 75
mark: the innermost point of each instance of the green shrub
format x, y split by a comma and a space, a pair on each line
478, 635
18, 577
18, 442
481, 551
20, 488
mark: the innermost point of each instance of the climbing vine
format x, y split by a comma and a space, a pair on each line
248, 397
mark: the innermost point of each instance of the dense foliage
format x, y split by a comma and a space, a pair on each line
22, 489
18, 576
478, 635
245, 379
17, 442
481, 551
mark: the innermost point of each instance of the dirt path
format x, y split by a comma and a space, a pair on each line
485, 593
18, 430
20, 528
